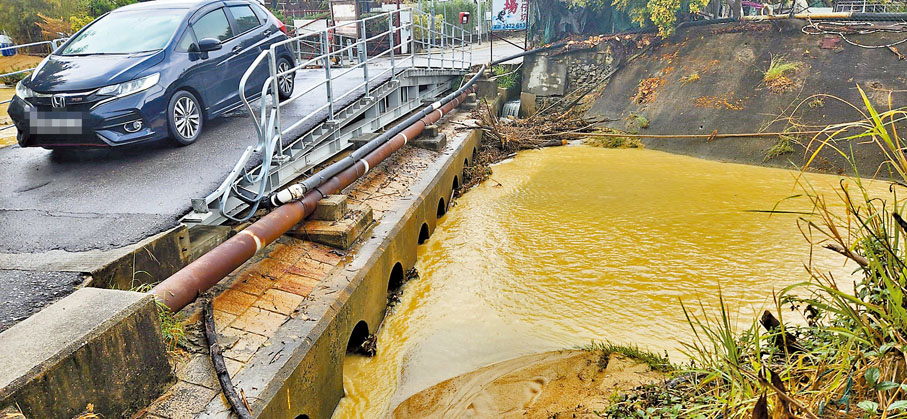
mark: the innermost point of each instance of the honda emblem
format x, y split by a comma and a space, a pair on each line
58, 101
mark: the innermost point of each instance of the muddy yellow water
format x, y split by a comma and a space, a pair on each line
568, 245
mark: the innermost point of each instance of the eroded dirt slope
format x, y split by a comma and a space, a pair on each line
712, 77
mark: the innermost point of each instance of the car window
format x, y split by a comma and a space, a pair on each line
260, 12
186, 41
126, 32
213, 25
244, 18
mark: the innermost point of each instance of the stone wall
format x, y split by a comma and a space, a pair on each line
574, 70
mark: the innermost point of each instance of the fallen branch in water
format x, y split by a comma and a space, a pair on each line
217, 358
711, 136
533, 132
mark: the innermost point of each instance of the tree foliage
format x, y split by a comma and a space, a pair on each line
661, 13
19, 18
25, 20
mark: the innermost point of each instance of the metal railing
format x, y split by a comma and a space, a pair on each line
54, 44
440, 46
862, 6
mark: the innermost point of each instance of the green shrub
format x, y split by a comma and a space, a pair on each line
11, 80
79, 22
507, 77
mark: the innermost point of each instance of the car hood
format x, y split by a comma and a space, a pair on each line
61, 73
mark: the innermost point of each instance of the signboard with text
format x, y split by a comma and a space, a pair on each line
508, 15
343, 13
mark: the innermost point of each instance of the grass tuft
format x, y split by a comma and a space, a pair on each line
506, 77
779, 67
778, 75
655, 361
784, 145
172, 328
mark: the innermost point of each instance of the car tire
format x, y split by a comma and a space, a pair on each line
185, 118
286, 83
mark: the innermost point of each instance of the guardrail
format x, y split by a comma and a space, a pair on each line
54, 44
442, 46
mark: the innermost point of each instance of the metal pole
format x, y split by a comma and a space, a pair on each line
431, 32
363, 58
491, 40
392, 44
443, 44
327, 76
479, 20
275, 98
470, 48
528, 20
399, 24
463, 46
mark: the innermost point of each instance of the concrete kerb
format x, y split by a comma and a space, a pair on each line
307, 377
96, 346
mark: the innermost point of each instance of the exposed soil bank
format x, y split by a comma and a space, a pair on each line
552, 384
712, 78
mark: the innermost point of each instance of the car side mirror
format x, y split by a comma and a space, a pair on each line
209, 44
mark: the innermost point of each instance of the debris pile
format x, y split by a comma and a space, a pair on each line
503, 137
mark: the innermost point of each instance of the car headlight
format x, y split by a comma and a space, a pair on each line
130, 87
24, 92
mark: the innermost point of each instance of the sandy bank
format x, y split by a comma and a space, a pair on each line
551, 384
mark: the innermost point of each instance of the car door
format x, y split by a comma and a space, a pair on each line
251, 38
219, 90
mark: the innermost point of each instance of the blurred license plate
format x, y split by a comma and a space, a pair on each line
56, 123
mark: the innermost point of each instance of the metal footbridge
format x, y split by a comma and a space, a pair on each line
347, 94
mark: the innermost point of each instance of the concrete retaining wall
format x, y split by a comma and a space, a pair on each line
308, 380
96, 346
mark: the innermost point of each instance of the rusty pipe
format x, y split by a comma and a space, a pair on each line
181, 288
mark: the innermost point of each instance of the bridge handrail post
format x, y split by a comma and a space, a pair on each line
363, 57
471, 44
327, 76
393, 31
412, 39
431, 37
462, 48
275, 96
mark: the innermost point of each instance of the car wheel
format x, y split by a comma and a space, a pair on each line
185, 117
285, 83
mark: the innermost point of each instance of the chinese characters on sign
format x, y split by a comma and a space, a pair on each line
509, 14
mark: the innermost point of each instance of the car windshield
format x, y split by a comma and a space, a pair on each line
127, 32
